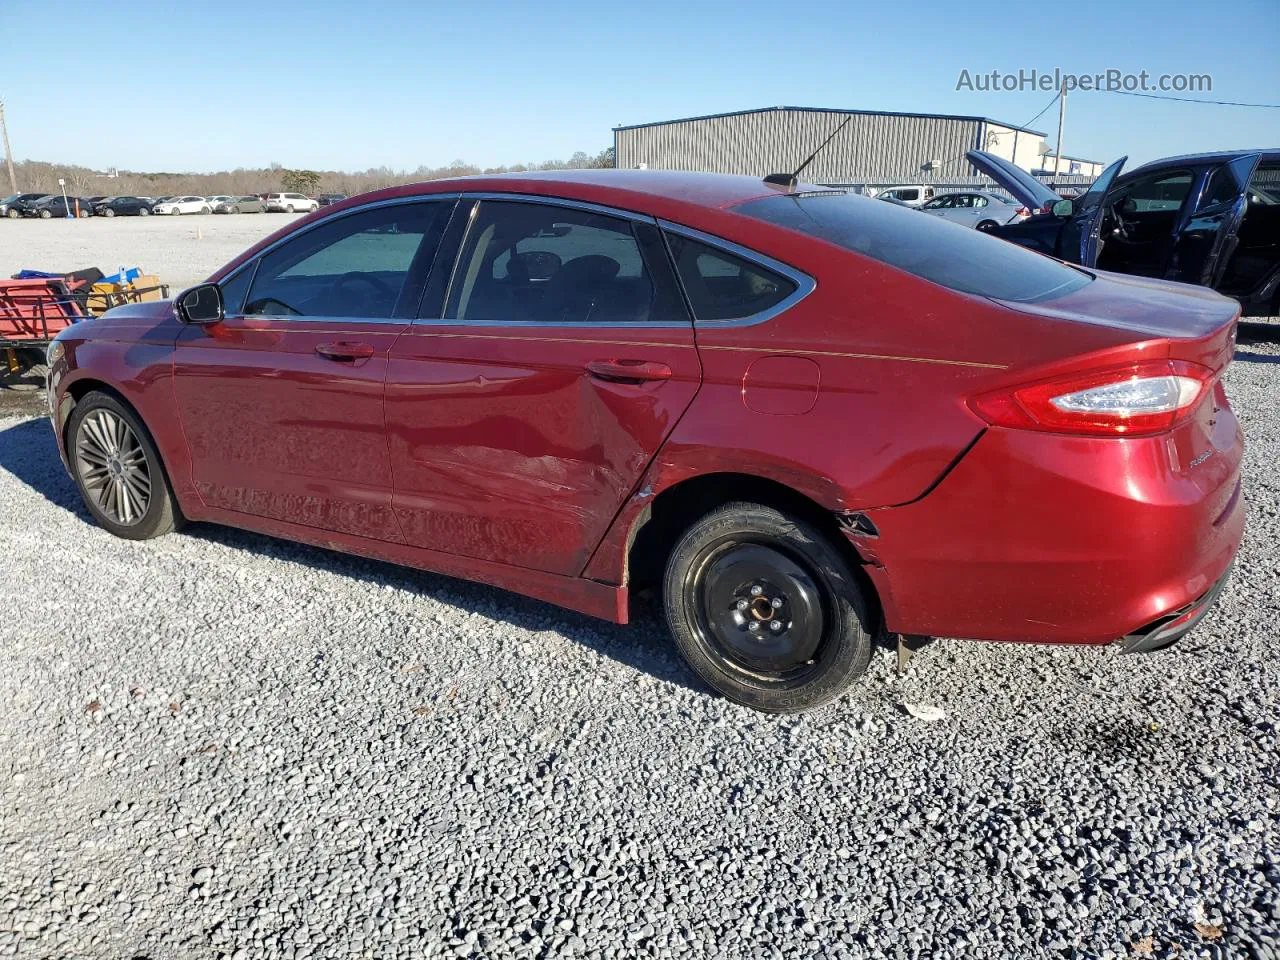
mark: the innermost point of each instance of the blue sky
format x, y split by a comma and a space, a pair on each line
149, 85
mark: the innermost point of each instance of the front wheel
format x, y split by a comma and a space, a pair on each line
108, 213
176, 212
986, 226
82, 214
45, 214
289, 208
116, 466
765, 610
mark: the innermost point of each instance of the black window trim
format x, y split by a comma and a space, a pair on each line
325, 221
480, 198
805, 284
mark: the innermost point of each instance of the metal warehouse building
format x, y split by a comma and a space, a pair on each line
874, 149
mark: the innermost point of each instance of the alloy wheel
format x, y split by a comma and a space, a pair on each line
113, 467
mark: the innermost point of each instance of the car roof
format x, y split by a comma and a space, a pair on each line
646, 189
1211, 157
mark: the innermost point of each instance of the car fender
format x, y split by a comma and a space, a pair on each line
130, 354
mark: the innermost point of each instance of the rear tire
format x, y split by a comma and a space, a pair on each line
144, 212
11, 214
206, 210
765, 610
101, 453
289, 208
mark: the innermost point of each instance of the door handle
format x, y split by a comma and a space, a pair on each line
628, 371
344, 350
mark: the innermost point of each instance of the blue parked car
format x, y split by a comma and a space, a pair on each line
1211, 219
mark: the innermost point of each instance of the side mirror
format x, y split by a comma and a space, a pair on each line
202, 304
1063, 208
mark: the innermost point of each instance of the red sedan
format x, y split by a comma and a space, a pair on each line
807, 417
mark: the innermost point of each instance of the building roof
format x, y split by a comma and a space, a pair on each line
872, 113
1067, 156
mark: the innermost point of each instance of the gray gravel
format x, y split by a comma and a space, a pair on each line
180, 250
220, 745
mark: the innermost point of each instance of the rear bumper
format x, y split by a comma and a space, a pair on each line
1169, 629
1046, 539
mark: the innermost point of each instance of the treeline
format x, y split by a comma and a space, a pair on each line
35, 175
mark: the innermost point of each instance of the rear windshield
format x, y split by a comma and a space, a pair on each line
945, 253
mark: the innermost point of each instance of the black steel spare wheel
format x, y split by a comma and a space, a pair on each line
766, 610
759, 607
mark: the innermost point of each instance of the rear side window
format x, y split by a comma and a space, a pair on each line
722, 286
944, 253
544, 263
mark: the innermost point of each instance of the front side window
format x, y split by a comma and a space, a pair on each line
1159, 192
932, 248
722, 286
543, 263
908, 194
353, 266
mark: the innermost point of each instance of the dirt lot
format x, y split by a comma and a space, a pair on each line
180, 250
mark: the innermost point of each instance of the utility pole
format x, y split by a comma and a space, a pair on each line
8, 153
1062, 119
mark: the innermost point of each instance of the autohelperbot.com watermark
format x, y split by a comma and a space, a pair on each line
1110, 80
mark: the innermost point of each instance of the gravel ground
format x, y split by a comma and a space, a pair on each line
180, 250
220, 745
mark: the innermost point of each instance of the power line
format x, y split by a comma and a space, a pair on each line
1042, 112
1220, 103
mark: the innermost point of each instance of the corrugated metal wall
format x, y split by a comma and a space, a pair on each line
873, 147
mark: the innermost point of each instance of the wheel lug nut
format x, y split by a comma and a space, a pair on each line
775, 625
757, 590
742, 604
777, 602
754, 626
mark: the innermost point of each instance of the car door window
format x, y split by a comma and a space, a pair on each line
525, 262
979, 202
1161, 192
941, 203
722, 286
352, 266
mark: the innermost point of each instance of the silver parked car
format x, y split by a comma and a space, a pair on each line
239, 205
973, 209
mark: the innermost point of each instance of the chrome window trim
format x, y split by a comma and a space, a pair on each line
564, 202
805, 284
614, 212
375, 205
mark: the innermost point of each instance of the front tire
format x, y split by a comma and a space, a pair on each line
45, 214
765, 610
986, 226
108, 213
118, 470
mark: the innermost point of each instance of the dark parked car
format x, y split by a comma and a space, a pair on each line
804, 417
16, 205
1211, 219
329, 199
124, 207
59, 206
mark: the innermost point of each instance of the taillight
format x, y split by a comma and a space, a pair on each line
1135, 400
